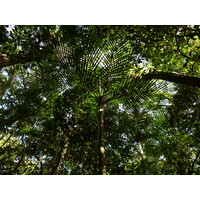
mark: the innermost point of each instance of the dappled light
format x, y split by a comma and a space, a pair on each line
107, 100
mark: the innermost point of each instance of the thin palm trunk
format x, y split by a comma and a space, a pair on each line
102, 156
141, 154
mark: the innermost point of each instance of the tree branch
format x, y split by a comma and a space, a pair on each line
175, 78
7, 60
179, 49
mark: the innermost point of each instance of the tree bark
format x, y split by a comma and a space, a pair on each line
60, 157
139, 150
175, 78
102, 156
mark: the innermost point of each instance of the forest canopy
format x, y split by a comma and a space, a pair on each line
100, 100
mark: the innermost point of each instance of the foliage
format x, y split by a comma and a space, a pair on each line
69, 91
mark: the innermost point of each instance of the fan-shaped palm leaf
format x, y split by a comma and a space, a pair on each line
100, 66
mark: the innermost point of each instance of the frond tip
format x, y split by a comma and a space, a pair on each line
134, 90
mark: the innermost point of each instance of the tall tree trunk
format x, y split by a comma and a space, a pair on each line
141, 154
60, 156
102, 155
175, 78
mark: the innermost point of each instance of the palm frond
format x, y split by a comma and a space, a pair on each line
136, 90
101, 60
96, 62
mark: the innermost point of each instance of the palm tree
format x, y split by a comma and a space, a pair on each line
102, 67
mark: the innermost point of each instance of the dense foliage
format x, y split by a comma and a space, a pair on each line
99, 100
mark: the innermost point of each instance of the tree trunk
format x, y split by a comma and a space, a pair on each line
141, 154
60, 157
102, 155
175, 78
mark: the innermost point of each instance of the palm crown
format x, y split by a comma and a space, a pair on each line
103, 68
